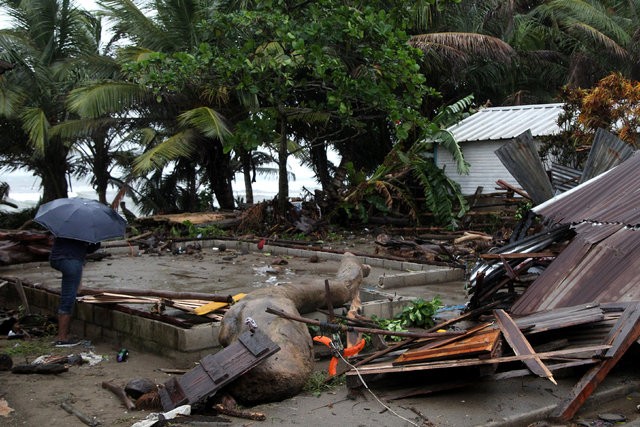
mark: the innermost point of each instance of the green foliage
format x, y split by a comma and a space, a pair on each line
420, 312
392, 189
393, 325
202, 231
15, 220
521, 211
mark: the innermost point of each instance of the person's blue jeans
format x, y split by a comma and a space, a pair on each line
71, 270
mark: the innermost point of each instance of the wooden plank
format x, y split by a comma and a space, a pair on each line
214, 305
217, 370
472, 344
442, 325
384, 368
23, 297
624, 333
521, 346
454, 384
552, 367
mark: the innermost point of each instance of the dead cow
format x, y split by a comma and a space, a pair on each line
284, 374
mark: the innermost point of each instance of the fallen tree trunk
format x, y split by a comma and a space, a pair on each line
285, 374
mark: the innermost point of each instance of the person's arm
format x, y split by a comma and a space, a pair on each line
93, 247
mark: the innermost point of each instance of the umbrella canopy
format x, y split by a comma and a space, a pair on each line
81, 219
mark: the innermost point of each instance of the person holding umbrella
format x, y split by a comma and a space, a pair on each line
78, 225
68, 257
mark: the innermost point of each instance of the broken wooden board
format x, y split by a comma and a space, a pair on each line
214, 305
624, 333
483, 343
521, 346
217, 370
353, 378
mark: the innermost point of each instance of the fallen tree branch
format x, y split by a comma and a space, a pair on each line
344, 328
256, 416
90, 421
119, 392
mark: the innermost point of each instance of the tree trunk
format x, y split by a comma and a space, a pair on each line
285, 374
247, 169
100, 165
321, 165
283, 179
53, 171
220, 175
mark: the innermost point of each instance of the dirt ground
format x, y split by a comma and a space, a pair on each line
35, 399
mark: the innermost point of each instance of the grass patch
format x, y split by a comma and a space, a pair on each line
317, 384
29, 348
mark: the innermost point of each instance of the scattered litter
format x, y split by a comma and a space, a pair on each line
155, 416
5, 410
123, 355
91, 358
613, 418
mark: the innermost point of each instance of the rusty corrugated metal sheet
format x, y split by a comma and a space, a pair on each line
501, 123
602, 263
564, 178
521, 159
599, 265
612, 197
606, 152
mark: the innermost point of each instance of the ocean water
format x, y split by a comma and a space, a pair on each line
25, 189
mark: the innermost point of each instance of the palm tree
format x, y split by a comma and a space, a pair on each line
511, 52
172, 122
46, 45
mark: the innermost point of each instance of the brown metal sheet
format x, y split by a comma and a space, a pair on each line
599, 265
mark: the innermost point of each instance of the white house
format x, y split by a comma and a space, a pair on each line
482, 133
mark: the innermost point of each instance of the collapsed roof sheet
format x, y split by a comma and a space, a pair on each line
612, 197
601, 263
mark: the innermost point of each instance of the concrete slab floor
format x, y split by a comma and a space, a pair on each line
223, 268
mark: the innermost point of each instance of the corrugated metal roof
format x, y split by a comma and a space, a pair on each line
564, 178
611, 197
500, 123
602, 263
599, 265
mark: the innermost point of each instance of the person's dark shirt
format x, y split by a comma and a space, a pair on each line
71, 249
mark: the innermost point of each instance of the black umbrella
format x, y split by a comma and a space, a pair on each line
81, 219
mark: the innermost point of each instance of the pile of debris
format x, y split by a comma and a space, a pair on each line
581, 308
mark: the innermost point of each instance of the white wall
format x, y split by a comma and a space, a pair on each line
485, 168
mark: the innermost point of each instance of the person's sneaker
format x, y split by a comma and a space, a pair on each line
67, 343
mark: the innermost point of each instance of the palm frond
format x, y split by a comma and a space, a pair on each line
455, 45
36, 125
177, 146
134, 53
127, 18
591, 34
208, 121
11, 99
107, 97
81, 128
449, 143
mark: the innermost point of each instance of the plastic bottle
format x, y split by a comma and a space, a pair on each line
123, 354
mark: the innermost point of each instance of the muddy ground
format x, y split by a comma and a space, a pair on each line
35, 400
